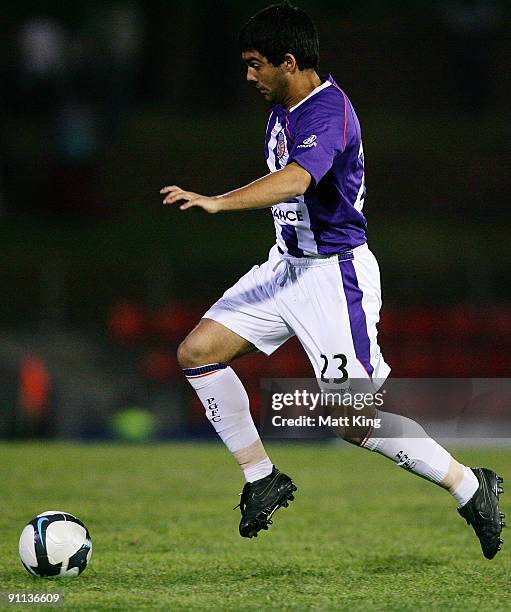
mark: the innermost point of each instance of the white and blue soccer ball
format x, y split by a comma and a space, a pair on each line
55, 544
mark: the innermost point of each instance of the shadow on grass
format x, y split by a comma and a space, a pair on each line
400, 564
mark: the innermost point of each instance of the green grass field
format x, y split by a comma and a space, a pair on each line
361, 535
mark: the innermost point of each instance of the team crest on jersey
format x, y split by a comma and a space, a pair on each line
281, 145
276, 129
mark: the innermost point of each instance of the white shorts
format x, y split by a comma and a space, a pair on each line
331, 304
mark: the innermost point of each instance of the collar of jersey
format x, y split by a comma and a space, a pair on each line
319, 88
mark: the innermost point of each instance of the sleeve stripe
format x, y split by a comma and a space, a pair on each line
287, 129
345, 114
345, 118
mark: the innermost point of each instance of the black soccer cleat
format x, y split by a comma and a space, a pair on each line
482, 511
260, 499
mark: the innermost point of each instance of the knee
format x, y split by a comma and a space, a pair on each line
211, 342
189, 353
361, 424
352, 439
195, 351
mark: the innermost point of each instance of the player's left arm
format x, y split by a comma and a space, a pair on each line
276, 187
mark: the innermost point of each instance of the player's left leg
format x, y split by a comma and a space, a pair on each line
336, 323
476, 490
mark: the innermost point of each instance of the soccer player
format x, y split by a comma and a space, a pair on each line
320, 282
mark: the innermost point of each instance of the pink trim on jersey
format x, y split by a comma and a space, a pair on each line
345, 116
287, 128
345, 111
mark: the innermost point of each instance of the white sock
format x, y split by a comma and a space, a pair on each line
407, 444
467, 487
226, 403
259, 470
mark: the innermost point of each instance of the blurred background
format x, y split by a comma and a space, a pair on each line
102, 103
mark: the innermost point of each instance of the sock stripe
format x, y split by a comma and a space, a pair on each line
369, 431
205, 370
202, 375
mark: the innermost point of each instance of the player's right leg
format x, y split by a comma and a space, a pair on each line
204, 356
243, 320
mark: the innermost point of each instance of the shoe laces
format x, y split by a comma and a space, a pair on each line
244, 497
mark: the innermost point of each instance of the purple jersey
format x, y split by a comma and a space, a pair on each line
321, 134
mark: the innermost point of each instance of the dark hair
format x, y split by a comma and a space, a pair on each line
280, 29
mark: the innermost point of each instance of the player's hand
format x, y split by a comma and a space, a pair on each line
175, 194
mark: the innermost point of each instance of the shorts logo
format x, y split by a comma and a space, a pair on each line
308, 142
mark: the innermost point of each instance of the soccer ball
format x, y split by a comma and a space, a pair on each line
54, 544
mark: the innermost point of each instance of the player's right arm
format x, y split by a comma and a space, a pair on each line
276, 187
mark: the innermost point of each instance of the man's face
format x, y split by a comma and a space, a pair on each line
268, 79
